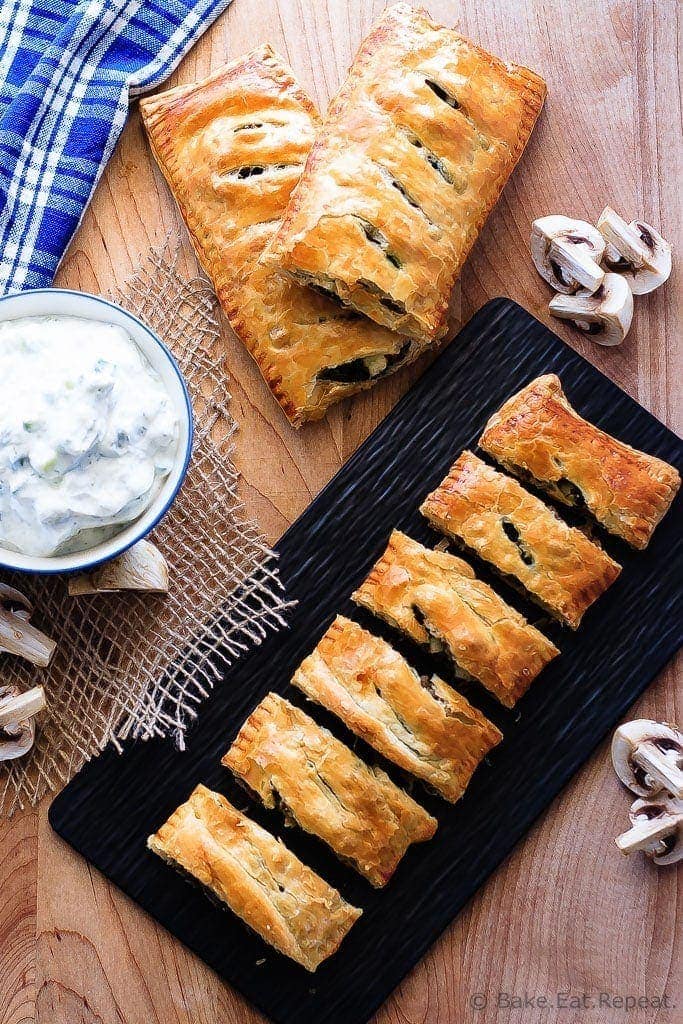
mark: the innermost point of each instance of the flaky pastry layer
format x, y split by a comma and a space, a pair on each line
413, 153
232, 148
419, 723
291, 762
287, 904
540, 437
493, 515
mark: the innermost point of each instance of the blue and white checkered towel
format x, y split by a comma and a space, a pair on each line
67, 70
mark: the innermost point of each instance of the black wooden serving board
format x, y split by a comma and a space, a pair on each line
111, 806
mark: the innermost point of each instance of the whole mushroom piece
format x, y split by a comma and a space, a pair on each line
656, 830
567, 253
17, 635
17, 720
648, 757
605, 314
636, 251
141, 567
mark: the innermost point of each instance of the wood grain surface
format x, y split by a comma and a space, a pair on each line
565, 913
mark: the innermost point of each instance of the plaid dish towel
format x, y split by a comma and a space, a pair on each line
67, 71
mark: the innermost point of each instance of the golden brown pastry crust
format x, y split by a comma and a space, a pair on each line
291, 762
539, 436
412, 155
282, 900
490, 513
420, 724
232, 147
485, 638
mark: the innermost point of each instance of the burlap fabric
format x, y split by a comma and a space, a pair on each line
136, 666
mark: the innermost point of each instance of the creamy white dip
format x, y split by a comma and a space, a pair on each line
88, 432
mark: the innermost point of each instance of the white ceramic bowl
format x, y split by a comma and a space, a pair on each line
60, 302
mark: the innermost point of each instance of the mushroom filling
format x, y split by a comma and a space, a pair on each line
253, 170
439, 91
438, 645
365, 368
431, 158
328, 293
384, 300
428, 684
571, 493
512, 533
375, 236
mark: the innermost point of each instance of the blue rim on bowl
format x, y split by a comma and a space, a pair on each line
131, 533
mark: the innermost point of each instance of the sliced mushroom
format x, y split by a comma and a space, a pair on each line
567, 253
17, 724
17, 635
657, 830
636, 251
648, 757
141, 567
606, 314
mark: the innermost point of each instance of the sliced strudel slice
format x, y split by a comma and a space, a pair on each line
436, 599
523, 539
281, 899
232, 147
540, 437
419, 723
291, 762
413, 153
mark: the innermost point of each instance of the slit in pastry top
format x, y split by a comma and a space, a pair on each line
492, 515
435, 598
232, 147
539, 436
418, 722
292, 763
246, 868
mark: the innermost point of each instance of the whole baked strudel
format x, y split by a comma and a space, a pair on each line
521, 537
540, 437
232, 147
416, 721
412, 155
292, 763
281, 899
436, 599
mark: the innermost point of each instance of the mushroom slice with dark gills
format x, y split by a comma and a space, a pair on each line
17, 635
17, 725
605, 314
636, 251
567, 253
648, 757
656, 830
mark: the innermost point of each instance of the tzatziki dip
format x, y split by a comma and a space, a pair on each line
88, 433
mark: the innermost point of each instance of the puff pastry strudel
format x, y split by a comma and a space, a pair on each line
436, 599
420, 724
232, 147
490, 513
281, 899
540, 437
413, 153
291, 762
